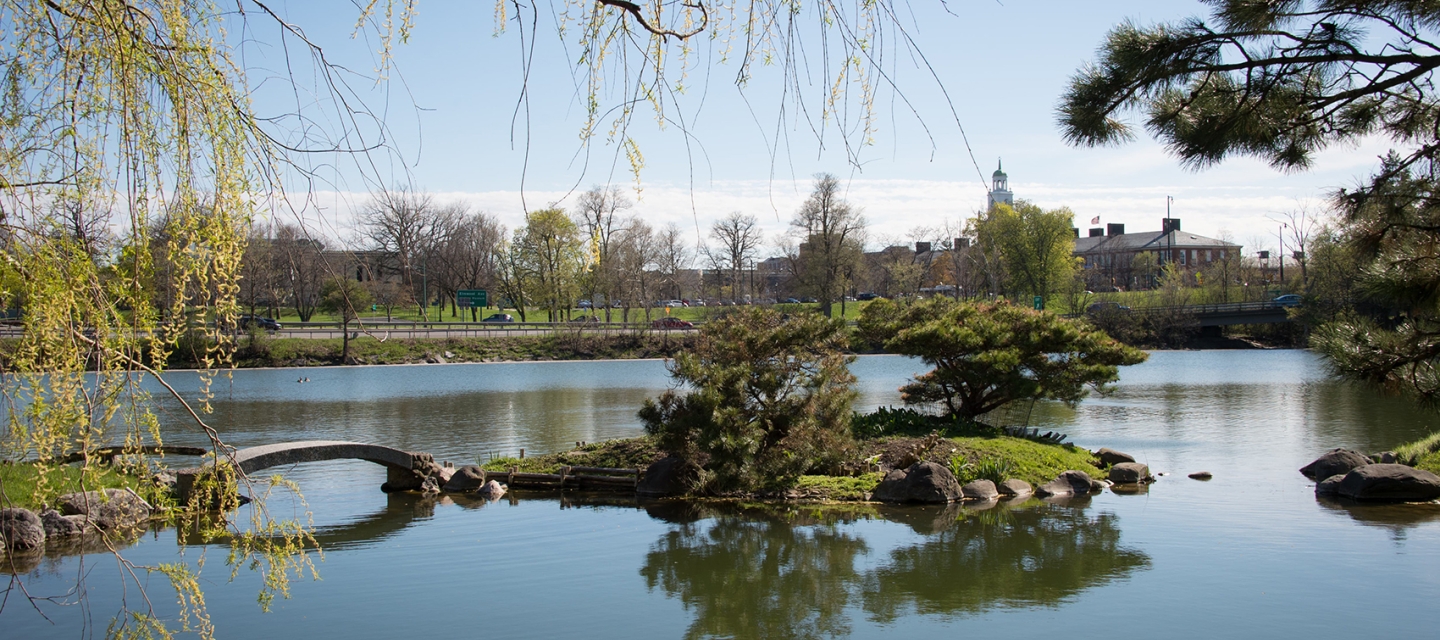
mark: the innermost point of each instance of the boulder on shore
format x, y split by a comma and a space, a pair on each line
21, 530
1334, 461
922, 482
466, 479
1390, 482
491, 490
112, 509
668, 476
61, 526
1108, 456
1070, 483
1129, 473
980, 490
1015, 487
1329, 486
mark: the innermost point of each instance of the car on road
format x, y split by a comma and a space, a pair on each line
791, 301
671, 323
499, 317
585, 319
268, 324
1106, 307
1287, 300
866, 296
585, 304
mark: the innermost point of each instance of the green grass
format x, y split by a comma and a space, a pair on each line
281, 352
1422, 454
629, 453
21, 484
1032, 462
837, 487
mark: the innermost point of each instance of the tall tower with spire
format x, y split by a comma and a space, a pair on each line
999, 188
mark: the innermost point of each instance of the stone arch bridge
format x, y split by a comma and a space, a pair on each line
404, 470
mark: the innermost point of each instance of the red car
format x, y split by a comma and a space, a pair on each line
671, 323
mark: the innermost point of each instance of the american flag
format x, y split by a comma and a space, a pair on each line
1095, 220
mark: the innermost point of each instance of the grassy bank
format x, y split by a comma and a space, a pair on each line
22, 484
971, 458
1422, 454
265, 351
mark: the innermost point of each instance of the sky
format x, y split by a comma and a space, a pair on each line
449, 109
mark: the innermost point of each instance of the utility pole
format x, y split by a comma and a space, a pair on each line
1281, 234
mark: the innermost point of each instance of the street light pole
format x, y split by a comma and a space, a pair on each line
1281, 234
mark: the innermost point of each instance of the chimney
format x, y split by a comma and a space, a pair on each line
1075, 231
922, 247
1096, 232
1169, 224
1114, 229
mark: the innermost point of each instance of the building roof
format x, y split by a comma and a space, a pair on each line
1148, 241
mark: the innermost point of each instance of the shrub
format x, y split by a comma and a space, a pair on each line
988, 354
769, 399
889, 421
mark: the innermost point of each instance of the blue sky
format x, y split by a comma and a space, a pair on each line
1004, 65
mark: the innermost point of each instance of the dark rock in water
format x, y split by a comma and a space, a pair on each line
1329, 486
1334, 461
491, 490
1390, 482
430, 485
1108, 457
1070, 483
668, 476
922, 482
61, 526
114, 509
21, 530
980, 490
1129, 473
1202, 475
466, 479
1015, 487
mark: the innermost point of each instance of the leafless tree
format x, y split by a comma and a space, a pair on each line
597, 216
738, 239
672, 258
637, 256
402, 223
830, 235
300, 258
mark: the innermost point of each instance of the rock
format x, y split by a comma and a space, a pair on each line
668, 476
443, 475
922, 482
1070, 483
61, 526
1129, 473
164, 479
1015, 487
21, 530
1202, 475
429, 485
1108, 457
449, 355
1329, 486
466, 479
491, 490
1334, 461
1390, 482
114, 509
979, 490
1385, 457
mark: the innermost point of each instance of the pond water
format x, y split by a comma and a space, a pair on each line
1251, 553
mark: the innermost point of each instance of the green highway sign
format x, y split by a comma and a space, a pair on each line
1039, 303
466, 298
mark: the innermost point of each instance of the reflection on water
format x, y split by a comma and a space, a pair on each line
765, 573
1035, 554
1253, 542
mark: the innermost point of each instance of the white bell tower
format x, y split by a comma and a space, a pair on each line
1000, 188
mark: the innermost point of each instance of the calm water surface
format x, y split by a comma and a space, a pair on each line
1251, 553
